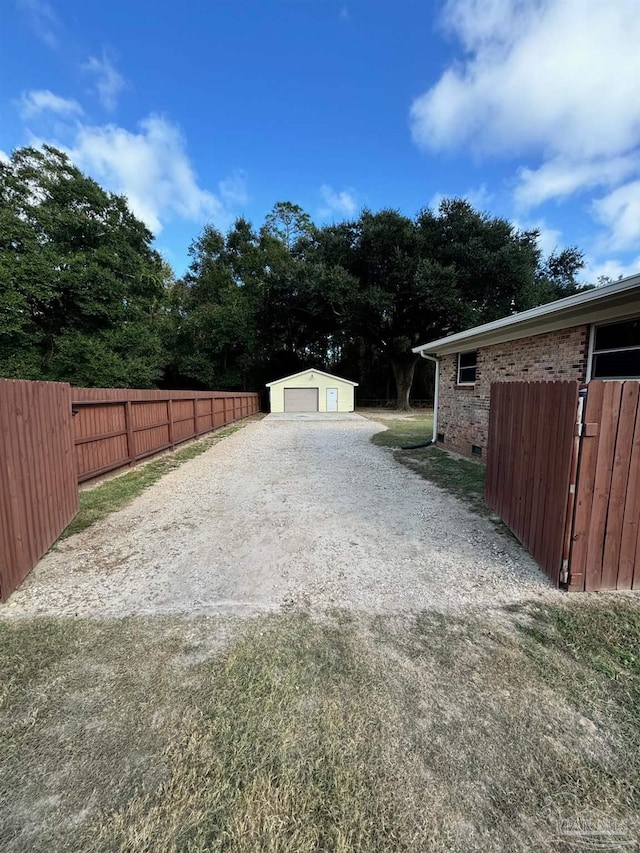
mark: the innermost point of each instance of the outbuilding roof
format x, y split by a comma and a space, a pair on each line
311, 370
610, 302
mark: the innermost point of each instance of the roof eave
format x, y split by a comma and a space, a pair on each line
311, 370
620, 299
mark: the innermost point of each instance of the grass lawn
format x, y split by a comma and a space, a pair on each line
415, 428
363, 733
461, 477
99, 501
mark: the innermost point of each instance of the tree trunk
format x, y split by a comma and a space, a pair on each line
403, 370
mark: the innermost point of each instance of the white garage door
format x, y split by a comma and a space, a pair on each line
301, 399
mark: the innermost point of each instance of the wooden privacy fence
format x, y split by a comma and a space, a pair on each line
563, 472
39, 494
605, 547
531, 426
53, 437
115, 427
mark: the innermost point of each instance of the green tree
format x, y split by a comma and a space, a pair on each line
557, 276
212, 325
353, 297
81, 289
431, 276
288, 223
304, 298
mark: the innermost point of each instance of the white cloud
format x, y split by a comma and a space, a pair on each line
553, 81
341, 203
233, 190
43, 19
619, 210
612, 269
558, 74
4, 157
42, 100
478, 197
434, 201
560, 178
109, 81
150, 167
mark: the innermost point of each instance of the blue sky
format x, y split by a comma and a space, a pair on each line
203, 111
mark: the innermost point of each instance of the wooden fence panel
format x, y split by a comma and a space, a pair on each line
605, 552
39, 495
116, 427
529, 460
53, 436
629, 562
618, 486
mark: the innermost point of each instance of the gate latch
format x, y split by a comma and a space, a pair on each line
586, 430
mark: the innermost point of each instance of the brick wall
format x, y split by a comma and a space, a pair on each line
463, 411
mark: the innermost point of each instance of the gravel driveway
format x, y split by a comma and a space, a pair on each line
287, 512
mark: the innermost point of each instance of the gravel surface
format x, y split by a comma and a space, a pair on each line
285, 513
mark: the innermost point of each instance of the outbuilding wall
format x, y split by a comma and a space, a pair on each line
313, 379
463, 411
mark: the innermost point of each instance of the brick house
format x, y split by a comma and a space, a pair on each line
591, 335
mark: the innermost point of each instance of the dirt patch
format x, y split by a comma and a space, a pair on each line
284, 513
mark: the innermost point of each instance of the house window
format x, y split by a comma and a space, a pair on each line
616, 351
467, 363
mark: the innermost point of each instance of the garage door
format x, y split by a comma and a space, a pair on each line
301, 399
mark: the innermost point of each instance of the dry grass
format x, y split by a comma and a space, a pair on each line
427, 733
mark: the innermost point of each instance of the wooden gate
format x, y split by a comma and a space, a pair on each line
563, 472
39, 494
605, 547
529, 456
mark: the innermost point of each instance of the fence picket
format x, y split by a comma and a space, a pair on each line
626, 418
602, 484
629, 536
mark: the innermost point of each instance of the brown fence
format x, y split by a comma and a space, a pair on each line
39, 494
115, 427
529, 453
605, 547
564, 474
53, 437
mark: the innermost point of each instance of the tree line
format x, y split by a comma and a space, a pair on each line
85, 298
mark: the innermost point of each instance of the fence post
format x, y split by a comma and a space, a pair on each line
195, 416
170, 419
127, 421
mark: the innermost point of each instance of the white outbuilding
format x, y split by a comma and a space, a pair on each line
312, 391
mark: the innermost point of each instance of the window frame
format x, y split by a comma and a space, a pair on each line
466, 383
593, 352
